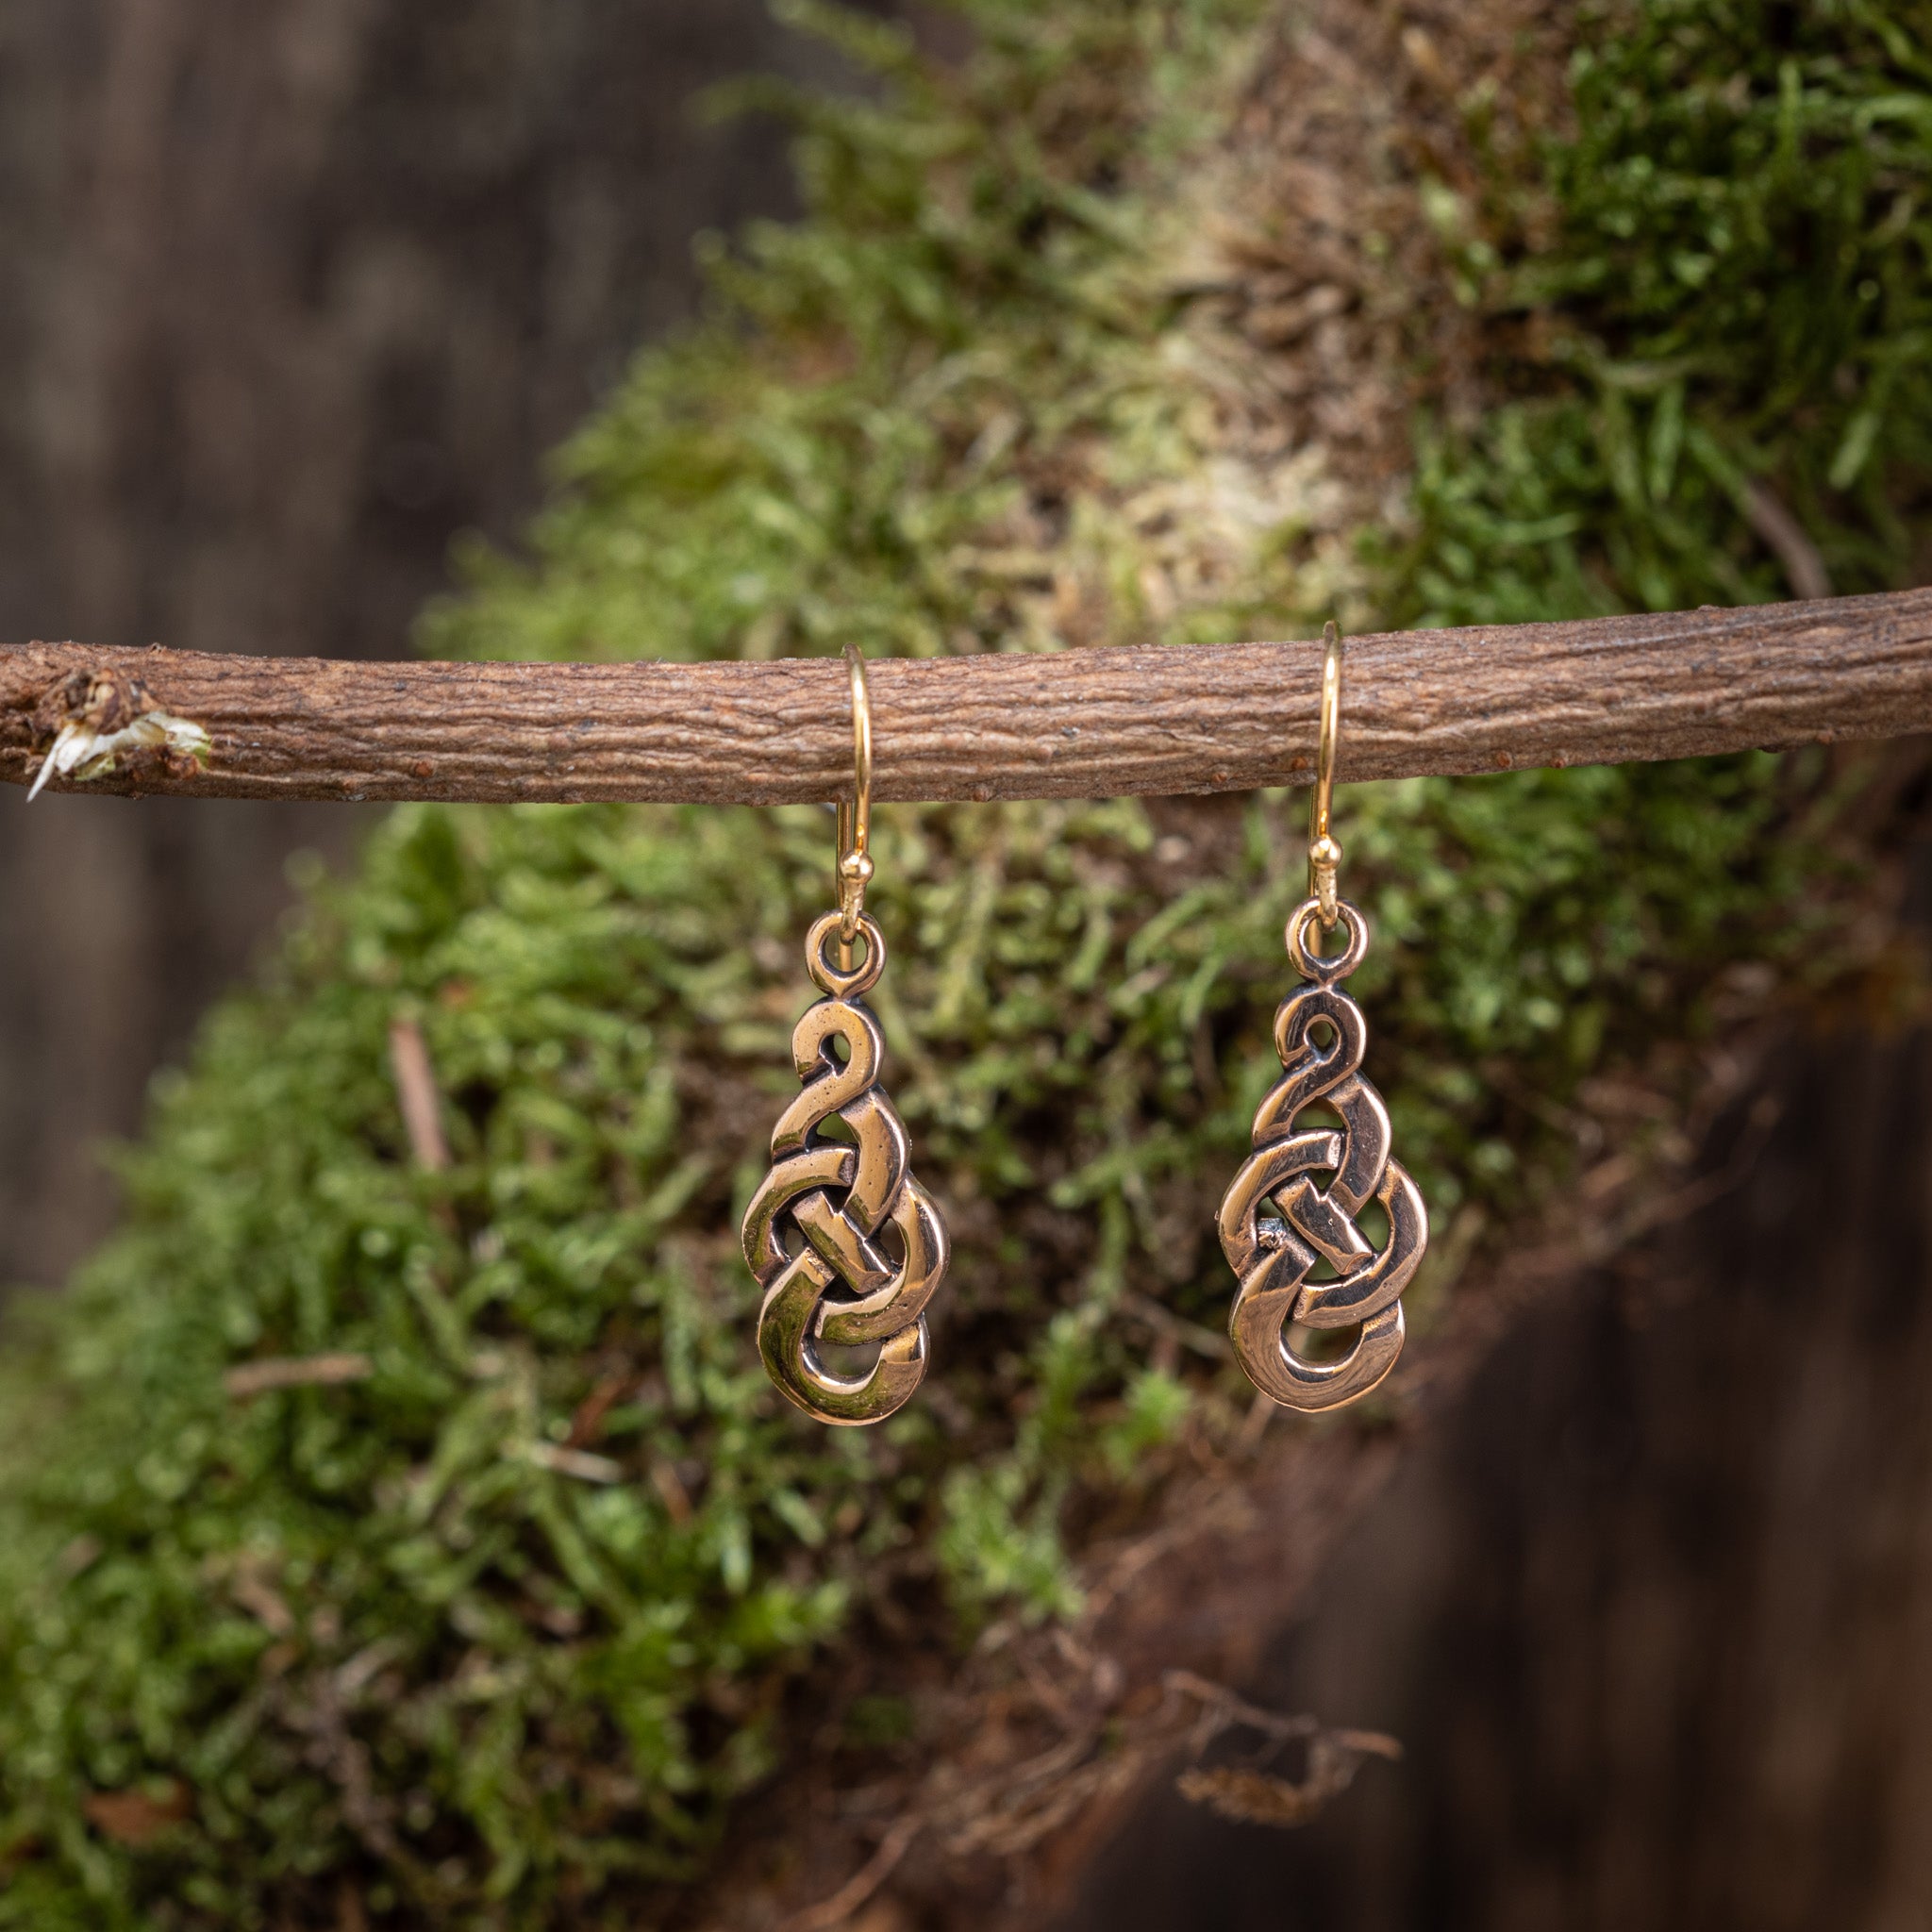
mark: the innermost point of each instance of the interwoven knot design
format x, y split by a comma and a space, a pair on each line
1274, 1254
848, 1247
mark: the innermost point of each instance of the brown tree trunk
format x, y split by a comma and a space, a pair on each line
294, 293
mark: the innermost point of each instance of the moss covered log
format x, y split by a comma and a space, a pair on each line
1139, 322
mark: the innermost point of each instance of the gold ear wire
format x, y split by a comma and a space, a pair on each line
1325, 855
854, 815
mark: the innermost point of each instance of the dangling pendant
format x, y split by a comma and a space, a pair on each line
1275, 1255
838, 1202
848, 1247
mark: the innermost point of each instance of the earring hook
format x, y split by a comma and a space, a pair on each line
1325, 855
855, 814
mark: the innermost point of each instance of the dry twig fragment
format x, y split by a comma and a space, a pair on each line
295, 1372
579, 1463
417, 1095
1257, 1797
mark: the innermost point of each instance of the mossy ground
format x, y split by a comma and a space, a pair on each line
380, 1642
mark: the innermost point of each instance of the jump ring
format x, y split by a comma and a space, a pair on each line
1311, 965
829, 978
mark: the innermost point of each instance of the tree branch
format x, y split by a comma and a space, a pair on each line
1077, 724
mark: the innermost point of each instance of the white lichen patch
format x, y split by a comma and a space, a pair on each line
116, 721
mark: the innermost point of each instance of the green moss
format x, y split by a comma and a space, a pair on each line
1736, 295
400, 1634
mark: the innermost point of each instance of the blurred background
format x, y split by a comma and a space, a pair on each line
296, 295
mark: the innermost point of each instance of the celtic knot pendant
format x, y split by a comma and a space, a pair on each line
848, 1247
1275, 1255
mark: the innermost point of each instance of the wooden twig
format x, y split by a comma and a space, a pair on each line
1077, 724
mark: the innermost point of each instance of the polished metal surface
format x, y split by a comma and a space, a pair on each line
847, 1244
855, 867
1325, 855
1279, 1223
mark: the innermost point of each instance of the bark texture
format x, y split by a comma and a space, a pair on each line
1085, 724
295, 293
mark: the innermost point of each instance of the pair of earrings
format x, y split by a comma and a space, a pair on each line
849, 1248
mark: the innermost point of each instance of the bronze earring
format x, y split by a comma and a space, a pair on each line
1274, 1254
819, 1231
